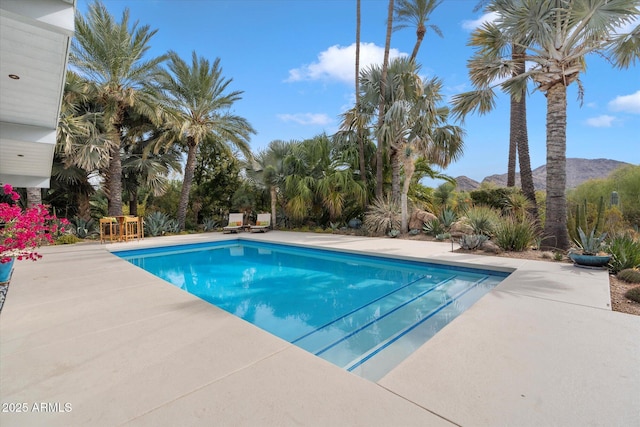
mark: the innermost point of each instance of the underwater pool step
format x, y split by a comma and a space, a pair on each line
348, 324
365, 357
364, 343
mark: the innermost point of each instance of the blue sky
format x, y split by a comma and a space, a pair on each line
294, 60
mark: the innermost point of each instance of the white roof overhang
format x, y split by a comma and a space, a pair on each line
34, 47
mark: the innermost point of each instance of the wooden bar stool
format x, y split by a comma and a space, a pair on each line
108, 229
131, 228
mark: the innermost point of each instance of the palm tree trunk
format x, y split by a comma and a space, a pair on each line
409, 169
115, 178
520, 134
396, 166
274, 201
555, 228
420, 32
511, 165
189, 170
34, 196
133, 201
84, 206
359, 136
381, 109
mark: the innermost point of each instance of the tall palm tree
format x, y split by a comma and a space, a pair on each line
381, 104
197, 104
556, 36
416, 13
111, 55
359, 135
518, 134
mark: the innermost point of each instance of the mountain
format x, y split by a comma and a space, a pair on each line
578, 171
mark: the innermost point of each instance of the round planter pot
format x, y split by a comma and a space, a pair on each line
594, 261
5, 270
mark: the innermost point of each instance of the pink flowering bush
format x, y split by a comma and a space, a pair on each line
22, 232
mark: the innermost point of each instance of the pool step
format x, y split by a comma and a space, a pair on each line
360, 345
360, 317
450, 304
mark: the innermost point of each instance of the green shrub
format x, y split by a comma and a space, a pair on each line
493, 197
633, 294
630, 275
383, 215
625, 252
513, 234
482, 219
67, 239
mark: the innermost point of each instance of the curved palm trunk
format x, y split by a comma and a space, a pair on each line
420, 32
555, 227
189, 170
115, 178
385, 66
274, 202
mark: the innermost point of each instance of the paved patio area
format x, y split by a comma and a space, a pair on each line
88, 339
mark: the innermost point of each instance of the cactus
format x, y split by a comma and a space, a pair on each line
581, 219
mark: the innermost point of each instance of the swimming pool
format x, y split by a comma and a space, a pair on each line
363, 313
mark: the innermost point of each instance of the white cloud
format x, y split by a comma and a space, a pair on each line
626, 103
471, 25
592, 105
306, 118
338, 63
603, 121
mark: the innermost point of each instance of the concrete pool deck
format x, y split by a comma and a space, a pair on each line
119, 346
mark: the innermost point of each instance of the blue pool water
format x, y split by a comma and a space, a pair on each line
363, 313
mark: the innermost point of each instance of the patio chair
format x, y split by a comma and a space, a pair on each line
262, 223
235, 223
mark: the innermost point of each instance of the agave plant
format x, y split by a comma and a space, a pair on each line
472, 241
83, 228
156, 224
209, 224
590, 244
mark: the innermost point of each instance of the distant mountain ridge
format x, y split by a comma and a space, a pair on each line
578, 171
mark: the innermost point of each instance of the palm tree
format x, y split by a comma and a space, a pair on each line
318, 181
111, 55
197, 106
381, 104
82, 149
518, 135
556, 36
416, 13
267, 169
414, 124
